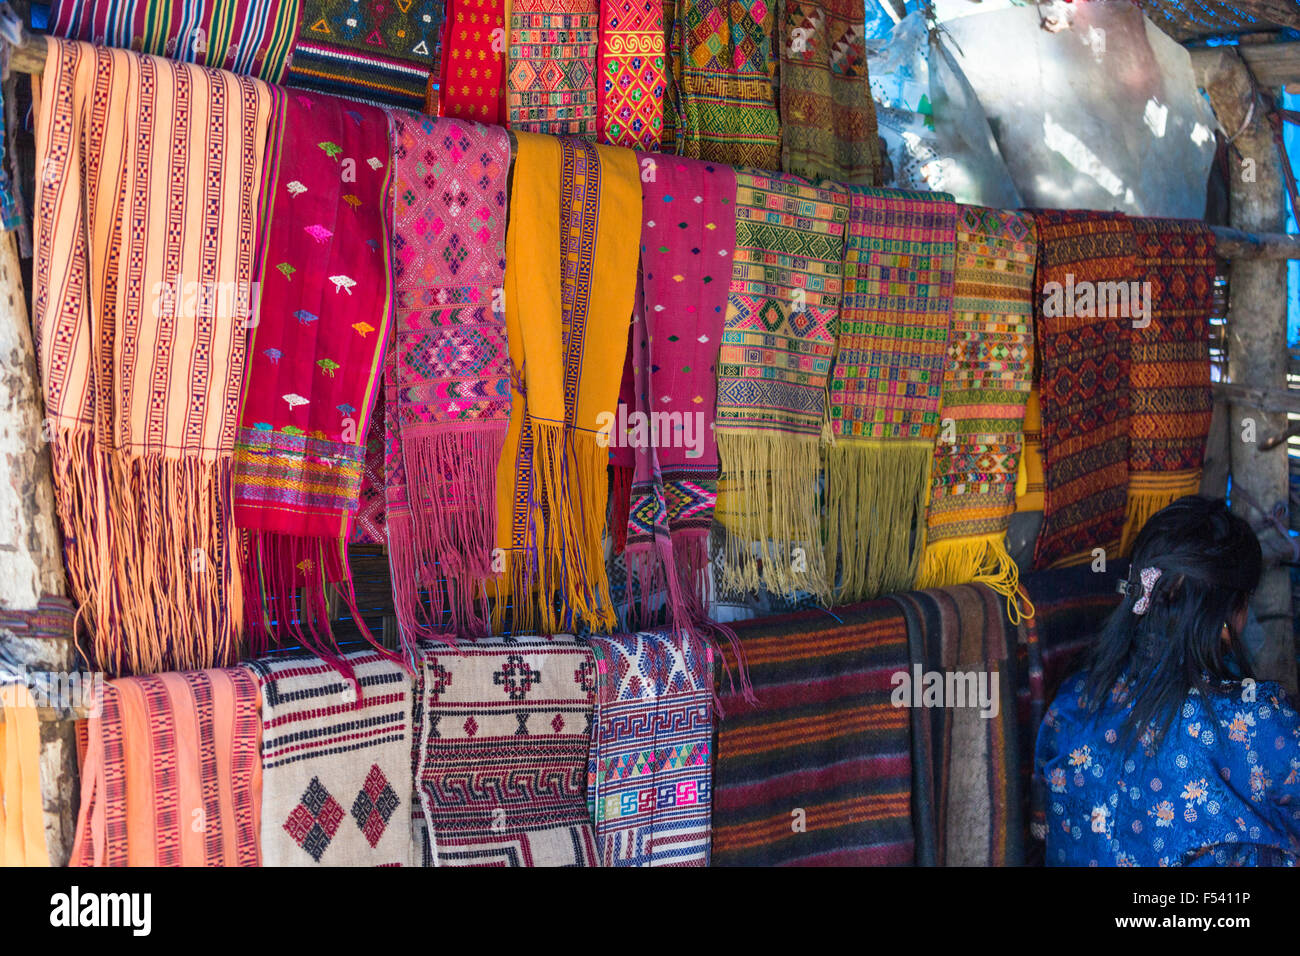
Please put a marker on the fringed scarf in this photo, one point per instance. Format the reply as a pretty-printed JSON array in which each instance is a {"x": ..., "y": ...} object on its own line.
[
  {"x": 726, "y": 108},
  {"x": 985, "y": 388},
  {"x": 172, "y": 774},
  {"x": 447, "y": 377},
  {"x": 630, "y": 67},
  {"x": 472, "y": 74},
  {"x": 1083, "y": 360},
  {"x": 249, "y": 37},
  {"x": 314, "y": 362},
  {"x": 828, "y": 120},
  {"x": 145, "y": 217},
  {"x": 22, "y": 816},
  {"x": 650, "y": 772},
  {"x": 552, "y": 86},
  {"x": 782, "y": 317},
  {"x": 571, "y": 253},
  {"x": 886, "y": 385},
  {"x": 1169, "y": 371},
  {"x": 372, "y": 52}
]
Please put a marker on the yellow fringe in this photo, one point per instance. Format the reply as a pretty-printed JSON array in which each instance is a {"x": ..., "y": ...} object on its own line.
[
  {"x": 875, "y": 514},
  {"x": 982, "y": 559},
  {"x": 1147, "y": 494}
]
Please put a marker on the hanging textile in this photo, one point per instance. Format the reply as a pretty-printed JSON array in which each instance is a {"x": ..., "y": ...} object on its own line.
[
  {"x": 314, "y": 361},
  {"x": 171, "y": 775},
  {"x": 22, "y": 814},
  {"x": 630, "y": 77},
  {"x": 985, "y": 387},
  {"x": 1083, "y": 356},
  {"x": 650, "y": 773},
  {"x": 145, "y": 221},
  {"x": 371, "y": 523},
  {"x": 571, "y": 254},
  {"x": 372, "y": 52},
  {"x": 672, "y": 55},
  {"x": 967, "y": 800},
  {"x": 502, "y": 758},
  {"x": 1029, "y": 476},
  {"x": 1169, "y": 370},
  {"x": 248, "y": 37},
  {"x": 828, "y": 119},
  {"x": 552, "y": 84},
  {"x": 472, "y": 75},
  {"x": 782, "y": 316},
  {"x": 886, "y": 385},
  {"x": 726, "y": 110},
  {"x": 336, "y": 769},
  {"x": 818, "y": 774},
  {"x": 448, "y": 370}
]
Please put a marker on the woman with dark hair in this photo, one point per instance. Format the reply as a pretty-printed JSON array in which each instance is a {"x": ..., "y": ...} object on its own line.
[{"x": 1165, "y": 750}]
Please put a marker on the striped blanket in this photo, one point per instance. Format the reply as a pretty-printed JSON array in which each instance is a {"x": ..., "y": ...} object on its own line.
[
  {"x": 336, "y": 771},
  {"x": 819, "y": 774}
]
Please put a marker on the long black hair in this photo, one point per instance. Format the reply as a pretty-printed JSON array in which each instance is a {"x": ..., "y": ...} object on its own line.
[{"x": 1209, "y": 562}]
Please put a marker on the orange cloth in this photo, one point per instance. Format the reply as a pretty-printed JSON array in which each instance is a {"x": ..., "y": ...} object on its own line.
[{"x": 22, "y": 826}]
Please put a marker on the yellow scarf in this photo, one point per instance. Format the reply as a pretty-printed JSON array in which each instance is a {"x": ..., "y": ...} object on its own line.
[{"x": 22, "y": 826}]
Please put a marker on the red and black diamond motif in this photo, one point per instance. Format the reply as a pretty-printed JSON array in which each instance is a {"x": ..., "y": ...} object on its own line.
[
  {"x": 315, "y": 819},
  {"x": 516, "y": 677},
  {"x": 374, "y": 805}
]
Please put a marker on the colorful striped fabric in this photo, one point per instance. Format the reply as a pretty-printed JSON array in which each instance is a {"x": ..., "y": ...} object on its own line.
[
  {"x": 249, "y": 37},
  {"x": 552, "y": 85},
  {"x": 630, "y": 77},
  {"x": 967, "y": 798},
  {"x": 650, "y": 773},
  {"x": 373, "y": 52},
  {"x": 819, "y": 773},
  {"x": 336, "y": 769}
]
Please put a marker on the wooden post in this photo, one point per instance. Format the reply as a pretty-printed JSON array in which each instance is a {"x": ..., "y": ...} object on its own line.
[
  {"x": 1257, "y": 341},
  {"x": 31, "y": 561}
]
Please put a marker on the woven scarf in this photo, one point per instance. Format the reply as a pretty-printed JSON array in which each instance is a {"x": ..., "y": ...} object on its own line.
[
  {"x": 336, "y": 772},
  {"x": 819, "y": 773},
  {"x": 371, "y": 524},
  {"x": 502, "y": 757},
  {"x": 968, "y": 807},
  {"x": 1169, "y": 370},
  {"x": 1029, "y": 477},
  {"x": 828, "y": 120},
  {"x": 22, "y": 817},
  {"x": 886, "y": 385},
  {"x": 448, "y": 369},
  {"x": 314, "y": 360},
  {"x": 985, "y": 388},
  {"x": 571, "y": 253},
  {"x": 782, "y": 314},
  {"x": 373, "y": 52},
  {"x": 650, "y": 773},
  {"x": 726, "y": 108},
  {"x": 552, "y": 86},
  {"x": 1083, "y": 356},
  {"x": 472, "y": 72},
  {"x": 145, "y": 222},
  {"x": 249, "y": 37},
  {"x": 630, "y": 79},
  {"x": 171, "y": 775}
]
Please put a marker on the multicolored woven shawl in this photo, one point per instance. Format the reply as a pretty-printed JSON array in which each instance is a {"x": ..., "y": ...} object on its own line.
[
  {"x": 819, "y": 774},
  {"x": 314, "y": 360},
  {"x": 985, "y": 389},
  {"x": 249, "y": 37},
  {"x": 570, "y": 285},
  {"x": 506, "y": 729},
  {"x": 726, "y": 99},
  {"x": 472, "y": 74},
  {"x": 886, "y": 385},
  {"x": 336, "y": 771},
  {"x": 448, "y": 369},
  {"x": 145, "y": 212},
  {"x": 552, "y": 86},
  {"x": 650, "y": 773},
  {"x": 171, "y": 775},
  {"x": 782, "y": 317},
  {"x": 630, "y": 73},
  {"x": 967, "y": 803},
  {"x": 1169, "y": 370},
  {"x": 828, "y": 120},
  {"x": 1083, "y": 355},
  {"x": 375, "y": 52}
]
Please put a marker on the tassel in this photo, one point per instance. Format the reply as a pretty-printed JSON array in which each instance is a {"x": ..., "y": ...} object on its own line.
[
  {"x": 1149, "y": 492},
  {"x": 981, "y": 559}
]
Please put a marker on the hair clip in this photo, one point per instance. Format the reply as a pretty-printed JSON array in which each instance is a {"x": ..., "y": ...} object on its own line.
[{"x": 1149, "y": 577}]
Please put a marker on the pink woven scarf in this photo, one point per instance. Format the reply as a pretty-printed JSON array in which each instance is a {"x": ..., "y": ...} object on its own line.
[{"x": 447, "y": 382}]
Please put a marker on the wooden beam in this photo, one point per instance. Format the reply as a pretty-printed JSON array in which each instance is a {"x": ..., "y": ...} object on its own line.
[
  {"x": 1235, "y": 244},
  {"x": 1273, "y": 64}
]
